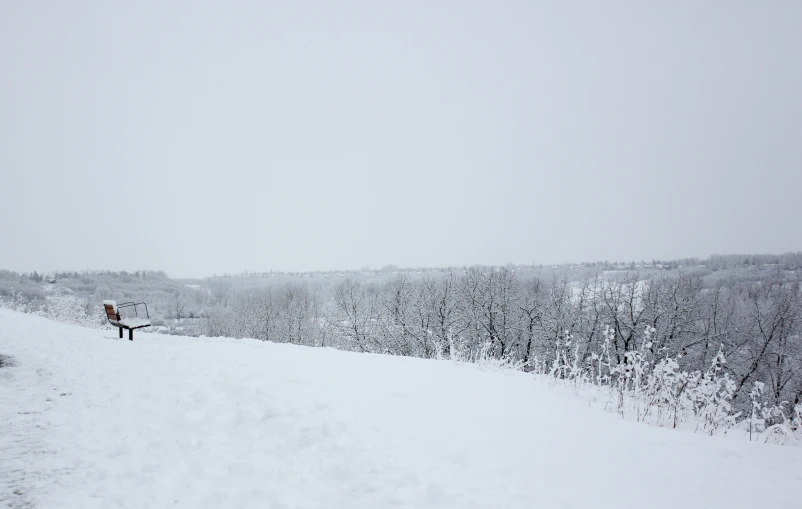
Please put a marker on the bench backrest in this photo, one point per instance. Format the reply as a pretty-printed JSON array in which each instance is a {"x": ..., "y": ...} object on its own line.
[{"x": 111, "y": 312}]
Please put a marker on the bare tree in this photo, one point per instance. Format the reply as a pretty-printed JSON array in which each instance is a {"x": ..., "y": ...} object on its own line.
[{"x": 356, "y": 316}]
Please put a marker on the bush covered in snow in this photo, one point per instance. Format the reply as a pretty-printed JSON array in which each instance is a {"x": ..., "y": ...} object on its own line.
[
  {"x": 662, "y": 394},
  {"x": 60, "y": 306}
]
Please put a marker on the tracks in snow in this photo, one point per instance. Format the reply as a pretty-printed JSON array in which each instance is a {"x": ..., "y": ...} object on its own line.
[{"x": 24, "y": 404}]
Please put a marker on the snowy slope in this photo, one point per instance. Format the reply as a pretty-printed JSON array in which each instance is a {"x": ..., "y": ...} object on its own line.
[{"x": 87, "y": 420}]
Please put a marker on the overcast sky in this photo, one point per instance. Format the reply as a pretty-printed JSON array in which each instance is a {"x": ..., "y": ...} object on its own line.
[{"x": 211, "y": 137}]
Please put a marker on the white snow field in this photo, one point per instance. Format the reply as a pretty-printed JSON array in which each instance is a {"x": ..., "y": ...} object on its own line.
[{"x": 91, "y": 421}]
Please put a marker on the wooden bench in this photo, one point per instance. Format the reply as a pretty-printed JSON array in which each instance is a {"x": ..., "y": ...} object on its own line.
[{"x": 130, "y": 323}]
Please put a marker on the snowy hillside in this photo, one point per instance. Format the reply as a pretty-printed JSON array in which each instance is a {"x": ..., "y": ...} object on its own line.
[{"x": 87, "y": 420}]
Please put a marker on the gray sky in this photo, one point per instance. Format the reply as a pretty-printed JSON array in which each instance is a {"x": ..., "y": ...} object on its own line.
[{"x": 202, "y": 137}]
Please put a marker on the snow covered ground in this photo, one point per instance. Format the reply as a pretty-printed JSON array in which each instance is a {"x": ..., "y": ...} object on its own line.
[{"x": 91, "y": 421}]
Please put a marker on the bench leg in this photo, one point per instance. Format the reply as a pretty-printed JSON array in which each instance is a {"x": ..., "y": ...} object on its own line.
[
  {"x": 121, "y": 332},
  {"x": 130, "y": 334}
]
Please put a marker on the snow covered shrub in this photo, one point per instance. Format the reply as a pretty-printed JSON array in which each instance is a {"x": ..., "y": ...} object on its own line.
[
  {"x": 755, "y": 421},
  {"x": 14, "y": 301},
  {"x": 780, "y": 425},
  {"x": 796, "y": 423},
  {"x": 602, "y": 361},
  {"x": 66, "y": 308},
  {"x": 712, "y": 398},
  {"x": 665, "y": 389},
  {"x": 636, "y": 376},
  {"x": 657, "y": 391},
  {"x": 484, "y": 357},
  {"x": 219, "y": 322}
]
